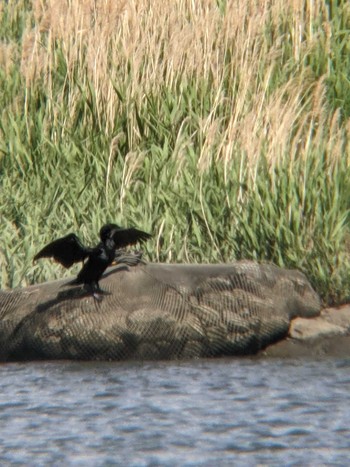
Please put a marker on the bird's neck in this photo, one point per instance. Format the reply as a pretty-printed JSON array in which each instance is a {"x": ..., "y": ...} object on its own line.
[{"x": 109, "y": 244}]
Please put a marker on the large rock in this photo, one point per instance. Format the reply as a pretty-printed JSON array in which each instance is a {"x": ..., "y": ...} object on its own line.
[{"x": 157, "y": 311}]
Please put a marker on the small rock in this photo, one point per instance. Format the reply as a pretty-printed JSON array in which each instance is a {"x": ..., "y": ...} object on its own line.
[
  {"x": 302, "y": 328},
  {"x": 339, "y": 316}
]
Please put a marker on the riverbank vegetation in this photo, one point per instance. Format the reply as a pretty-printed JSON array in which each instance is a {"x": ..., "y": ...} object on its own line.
[{"x": 222, "y": 127}]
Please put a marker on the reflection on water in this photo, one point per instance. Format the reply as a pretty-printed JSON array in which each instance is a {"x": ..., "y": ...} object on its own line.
[{"x": 205, "y": 412}]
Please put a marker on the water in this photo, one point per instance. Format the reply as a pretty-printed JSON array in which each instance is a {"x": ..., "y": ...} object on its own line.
[{"x": 205, "y": 412}]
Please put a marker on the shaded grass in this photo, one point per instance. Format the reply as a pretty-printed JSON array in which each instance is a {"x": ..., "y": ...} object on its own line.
[{"x": 242, "y": 154}]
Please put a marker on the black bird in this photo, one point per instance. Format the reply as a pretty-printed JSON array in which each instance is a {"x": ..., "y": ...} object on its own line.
[{"x": 69, "y": 250}]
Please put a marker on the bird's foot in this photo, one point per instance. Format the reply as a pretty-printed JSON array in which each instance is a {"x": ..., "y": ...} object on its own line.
[
  {"x": 96, "y": 291},
  {"x": 97, "y": 297}
]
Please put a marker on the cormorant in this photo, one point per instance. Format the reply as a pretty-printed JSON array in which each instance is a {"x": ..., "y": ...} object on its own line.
[{"x": 69, "y": 250}]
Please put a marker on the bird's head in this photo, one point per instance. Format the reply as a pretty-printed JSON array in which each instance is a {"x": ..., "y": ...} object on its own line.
[{"x": 107, "y": 231}]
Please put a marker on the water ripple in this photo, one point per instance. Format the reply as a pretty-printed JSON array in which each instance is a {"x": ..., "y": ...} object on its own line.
[{"x": 204, "y": 412}]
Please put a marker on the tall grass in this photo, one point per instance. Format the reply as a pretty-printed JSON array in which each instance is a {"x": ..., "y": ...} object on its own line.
[{"x": 222, "y": 127}]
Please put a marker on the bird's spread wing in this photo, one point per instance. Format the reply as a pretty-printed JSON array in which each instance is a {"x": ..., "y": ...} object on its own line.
[
  {"x": 124, "y": 237},
  {"x": 66, "y": 250}
]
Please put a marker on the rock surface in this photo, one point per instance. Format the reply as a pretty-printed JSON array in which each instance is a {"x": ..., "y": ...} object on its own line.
[
  {"x": 325, "y": 335},
  {"x": 161, "y": 311},
  {"x": 157, "y": 311}
]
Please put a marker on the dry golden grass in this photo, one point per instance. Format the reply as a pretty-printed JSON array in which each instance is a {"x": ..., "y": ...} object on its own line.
[{"x": 150, "y": 44}]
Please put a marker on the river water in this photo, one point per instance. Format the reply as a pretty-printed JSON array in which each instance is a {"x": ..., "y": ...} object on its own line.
[{"x": 204, "y": 412}]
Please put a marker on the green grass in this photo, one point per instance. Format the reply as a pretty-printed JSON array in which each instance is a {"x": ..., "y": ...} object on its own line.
[{"x": 245, "y": 160}]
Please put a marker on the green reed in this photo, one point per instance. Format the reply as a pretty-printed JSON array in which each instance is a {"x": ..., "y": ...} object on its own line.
[{"x": 217, "y": 169}]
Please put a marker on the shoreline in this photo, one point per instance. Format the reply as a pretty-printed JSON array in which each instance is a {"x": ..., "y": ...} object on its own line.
[{"x": 327, "y": 335}]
